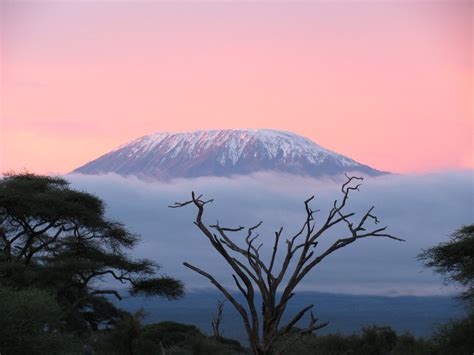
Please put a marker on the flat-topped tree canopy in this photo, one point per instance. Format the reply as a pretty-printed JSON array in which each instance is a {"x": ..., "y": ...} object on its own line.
[{"x": 55, "y": 237}]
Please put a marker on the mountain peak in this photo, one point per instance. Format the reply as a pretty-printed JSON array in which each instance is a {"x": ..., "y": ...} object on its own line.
[{"x": 225, "y": 152}]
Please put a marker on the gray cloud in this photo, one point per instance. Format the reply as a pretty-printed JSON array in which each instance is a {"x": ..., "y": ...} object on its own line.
[{"x": 423, "y": 209}]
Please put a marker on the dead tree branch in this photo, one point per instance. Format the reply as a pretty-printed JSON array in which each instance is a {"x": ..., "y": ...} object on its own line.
[
  {"x": 216, "y": 322},
  {"x": 252, "y": 274}
]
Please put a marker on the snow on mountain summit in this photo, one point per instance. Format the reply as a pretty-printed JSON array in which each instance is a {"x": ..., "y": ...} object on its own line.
[
  {"x": 233, "y": 143},
  {"x": 222, "y": 153}
]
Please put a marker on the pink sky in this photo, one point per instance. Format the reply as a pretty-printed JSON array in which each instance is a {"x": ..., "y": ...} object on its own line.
[{"x": 388, "y": 84}]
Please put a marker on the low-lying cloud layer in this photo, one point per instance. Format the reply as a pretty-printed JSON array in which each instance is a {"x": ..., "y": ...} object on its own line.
[{"x": 423, "y": 209}]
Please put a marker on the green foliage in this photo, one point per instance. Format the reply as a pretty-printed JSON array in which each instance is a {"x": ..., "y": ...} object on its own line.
[
  {"x": 58, "y": 239},
  {"x": 49, "y": 199},
  {"x": 210, "y": 346},
  {"x": 124, "y": 337},
  {"x": 456, "y": 337},
  {"x": 376, "y": 340},
  {"x": 372, "y": 340},
  {"x": 30, "y": 323},
  {"x": 170, "y": 333},
  {"x": 230, "y": 343},
  {"x": 455, "y": 259},
  {"x": 407, "y": 344},
  {"x": 129, "y": 337},
  {"x": 164, "y": 286}
]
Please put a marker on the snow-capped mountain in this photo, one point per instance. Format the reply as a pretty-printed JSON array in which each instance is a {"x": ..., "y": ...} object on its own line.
[{"x": 222, "y": 153}]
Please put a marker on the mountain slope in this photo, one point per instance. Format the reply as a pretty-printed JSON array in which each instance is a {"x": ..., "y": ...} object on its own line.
[{"x": 222, "y": 153}]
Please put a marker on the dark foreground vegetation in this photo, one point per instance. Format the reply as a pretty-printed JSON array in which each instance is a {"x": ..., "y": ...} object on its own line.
[
  {"x": 61, "y": 261},
  {"x": 128, "y": 336}
]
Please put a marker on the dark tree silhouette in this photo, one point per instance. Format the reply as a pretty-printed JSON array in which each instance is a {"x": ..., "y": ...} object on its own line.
[
  {"x": 57, "y": 238},
  {"x": 216, "y": 322},
  {"x": 277, "y": 284},
  {"x": 455, "y": 260}
]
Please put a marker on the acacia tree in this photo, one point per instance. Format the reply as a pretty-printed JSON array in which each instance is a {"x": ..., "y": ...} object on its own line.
[
  {"x": 455, "y": 260},
  {"x": 57, "y": 238},
  {"x": 277, "y": 283}
]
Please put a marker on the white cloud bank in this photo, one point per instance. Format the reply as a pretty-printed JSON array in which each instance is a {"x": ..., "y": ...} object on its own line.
[{"x": 423, "y": 209}]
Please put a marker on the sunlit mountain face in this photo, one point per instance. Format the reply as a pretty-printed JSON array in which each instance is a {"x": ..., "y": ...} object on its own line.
[{"x": 226, "y": 152}]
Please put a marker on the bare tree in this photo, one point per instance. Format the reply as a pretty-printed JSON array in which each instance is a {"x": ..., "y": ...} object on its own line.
[
  {"x": 252, "y": 274},
  {"x": 216, "y": 322}
]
